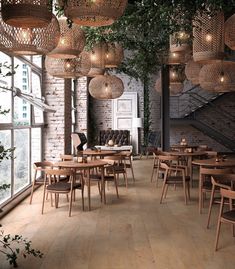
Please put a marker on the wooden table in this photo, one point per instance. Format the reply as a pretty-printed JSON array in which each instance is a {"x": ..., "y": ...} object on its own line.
[
  {"x": 189, "y": 156},
  {"x": 213, "y": 163},
  {"x": 183, "y": 147},
  {"x": 96, "y": 153},
  {"x": 86, "y": 166}
]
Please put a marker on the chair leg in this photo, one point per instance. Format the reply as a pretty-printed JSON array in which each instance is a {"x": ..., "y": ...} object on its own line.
[
  {"x": 151, "y": 180},
  {"x": 70, "y": 202},
  {"x": 116, "y": 186},
  {"x": 126, "y": 180},
  {"x": 32, "y": 190},
  {"x": 157, "y": 176},
  {"x": 132, "y": 171},
  {"x": 210, "y": 206},
  {"x": 188, "y": 186},
  {"x": 43, "y": 198},
  {"x": 163, "y": 191},
  {"x": 166, "y": 190},
  {"x": 185, "y": 193},
  {"x": 200, "y": 195},
  {"x": 217, "y": 234},
  {"x": 83, "y": 198}
]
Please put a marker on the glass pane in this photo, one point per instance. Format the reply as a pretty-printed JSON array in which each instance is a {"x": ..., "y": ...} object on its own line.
[
  {"x": 21, "y": 81},
  {"x": 21, "y": 161},
  {"x": 37, "y": 59},
  {"x": 5, "y": 96},
  {"x": 36, "y": 146},
  {"x": 37, "y": 92},
  {"x": 5, "y": 166}
]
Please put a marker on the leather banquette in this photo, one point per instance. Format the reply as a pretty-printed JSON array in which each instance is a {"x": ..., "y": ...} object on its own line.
[{"x": 119, "y": 137}]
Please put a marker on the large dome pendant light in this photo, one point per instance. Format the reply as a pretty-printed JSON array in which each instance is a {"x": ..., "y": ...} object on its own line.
[
  {"x": 29, "y": 41},
  {"x": 192, "y": 70},
  {"x": 94, "y": 12},
  {"x": 106, "y": 87},
  {"x": 208, "y": 42},
  {"x": 26, "y": 13},
  {"x": 71, "y": 43}
]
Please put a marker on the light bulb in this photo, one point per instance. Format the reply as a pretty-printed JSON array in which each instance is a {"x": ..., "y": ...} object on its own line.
[
  {"x": 222, "y": 77},
  {"x": 208, "y": 38},
  {"x": 26, "y": 36},
  {"x": 174, "y": 54},
  {"x": 69, "y": 65},
  {"x": 107, "y": 55},
  {"x": 93, "y": 56}
]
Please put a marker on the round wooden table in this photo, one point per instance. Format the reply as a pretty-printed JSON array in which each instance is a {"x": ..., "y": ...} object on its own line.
[
  {"x": 213, "y": 163},
  {"x": 183, "y": 147},
  {"x": 86, "y": 166},
  {"x": 96, "y": 153}
]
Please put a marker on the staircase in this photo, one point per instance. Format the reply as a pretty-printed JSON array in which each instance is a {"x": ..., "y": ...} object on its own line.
[{"x": 210, "y": 113}]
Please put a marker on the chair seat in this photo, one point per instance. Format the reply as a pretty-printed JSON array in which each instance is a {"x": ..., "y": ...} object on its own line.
[
  {"x": 229, "y": 215},
  {"x": 176, "y": 179},
  {"x": 62, "y": 186}
]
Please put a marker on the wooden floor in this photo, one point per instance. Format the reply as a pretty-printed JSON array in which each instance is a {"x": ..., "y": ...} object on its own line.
[{"x": 132, "y": 232}]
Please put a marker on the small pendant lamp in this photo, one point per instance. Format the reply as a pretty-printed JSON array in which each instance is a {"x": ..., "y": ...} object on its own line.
[
  {"x": 68, "y": 68},
  {"x": 97, "y": 58},
  {"x": 208, "y": 42},
  {"x": 27, "y": 13},
  {"x": 106, "y": 87},
  {"x": 114, "y": 55},
  {"x": 229, "y": 32},
  {"x": 175, "y": 58},
  {"x": 94, "y": 12},
  {"x": 71, "y": 43},
  {"x": 29, "y": 41}
]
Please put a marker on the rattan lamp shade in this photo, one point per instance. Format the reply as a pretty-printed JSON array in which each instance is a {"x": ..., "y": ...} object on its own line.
[
  {"x": 229, "y": 32},
  {"x": 208, "y": 42},
  {"x": 71, "y": 43},
  {"x": 94, "y": 12},
  {"x": 27, "y": 13},
  {"x": 68, "y": 68},
  {"x": 114, "y": 55},
  {"x": 177, "y": 57},
  {"x": 97, "y": 58},
  {"x": 106, "y": 87},
  {"x": 29, "y": 41},
  {"x": 178, "y": 41},
  {"x": 218, "y": 77},
  {"x": 175, "y": 88},
  {"x": 192, "y": 70}
]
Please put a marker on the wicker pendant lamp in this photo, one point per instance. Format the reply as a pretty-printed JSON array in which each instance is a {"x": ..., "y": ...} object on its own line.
[
  {"x": 175, "y": 88},
  {"x": 27, "y": 13},
  {"x": 29, "y": 41},
  {"x": 177, "y": 57},
  {"x": 192, "y": 70},
  {"x": 97, "y": 58},
  {"x": 106, "y": 87},
  {"x": 71, "y": 43},
  {"x": 179, "y": 41},
  {"x": 229, "y": 32},
  {"x": 114, "y": 55},
  {"x": 208, "y": 42},
  {"x": 218, "y": 77},
  {"x": 68, "y": 68},
  {"x": 94, "y": 12}
]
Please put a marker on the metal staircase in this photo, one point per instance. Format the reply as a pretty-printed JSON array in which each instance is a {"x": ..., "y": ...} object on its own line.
[{"x": 198, "y": 108}]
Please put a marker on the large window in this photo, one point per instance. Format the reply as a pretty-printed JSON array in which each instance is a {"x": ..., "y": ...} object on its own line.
[{"x": 21, "y": 126}]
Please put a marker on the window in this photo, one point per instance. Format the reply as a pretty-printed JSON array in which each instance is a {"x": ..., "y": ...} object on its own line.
[{"x": 19, "y": 125}]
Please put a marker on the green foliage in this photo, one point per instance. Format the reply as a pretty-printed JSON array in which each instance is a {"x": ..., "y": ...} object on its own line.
[{"x": 11, "y": 247}]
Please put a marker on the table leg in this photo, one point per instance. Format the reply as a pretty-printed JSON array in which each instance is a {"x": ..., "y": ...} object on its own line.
[{"x": 89, "y": 189}]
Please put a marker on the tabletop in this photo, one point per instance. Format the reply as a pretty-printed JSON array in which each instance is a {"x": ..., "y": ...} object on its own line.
[
  {"x": 99, "y": 153},
  {"x": 213, "y": 162},
  {"x": 182, "y": 153},
  {"x": 89, "y": 164}
]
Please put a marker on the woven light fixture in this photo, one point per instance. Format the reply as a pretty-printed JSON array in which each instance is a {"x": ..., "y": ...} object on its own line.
[
  {"x": 208, "y": 42},
  {"x": 97, "y": 58},
  {"x": 71, "y": 43},
  {"x": 218, "y": 77},
  {"x": 106, "y": 87},
  {"x": 192, "y": 70},
  {"x": 114, "y": 55},
  {"x": 29, "y": 41},
  {"x": 175, "y": 88},
  {"x": 27, "y": 13},
  {"x": 177, "y": 57},
  {"x": 68, "y": 68},
  {"x": 94, "y": 12},
  {"x": 178, "y": 41},
  {"x": 229, "y": 32}
]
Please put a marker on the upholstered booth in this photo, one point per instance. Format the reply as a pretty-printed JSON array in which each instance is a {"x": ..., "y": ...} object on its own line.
[{"x": 119, "y": 137}]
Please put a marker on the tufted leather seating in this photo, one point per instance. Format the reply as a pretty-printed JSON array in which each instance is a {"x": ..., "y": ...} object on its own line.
[{"x": 119, "y": 137}]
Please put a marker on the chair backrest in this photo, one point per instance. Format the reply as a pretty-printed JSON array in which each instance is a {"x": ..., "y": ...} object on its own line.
[
  {"x": 227, "y": 194},
  {"x": 79, "y": 140},
  {"x": 41, "y": 166},
  {"x": 224, "y": 178},
  {"x": 213, "y": 171},
  {"x": 66, "y": 157},
  {"x": 166, "y": 160}
]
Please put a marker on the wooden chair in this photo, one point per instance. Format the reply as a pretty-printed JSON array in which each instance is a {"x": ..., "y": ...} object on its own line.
[
  {"x": 39, "y": 167},
  {"x": 156, "y": 166},
  {"x": 127, "y": 155},
  {"x": 174, "y": 174},
  {"x": 205, "y": 185},
  {"x": 227, "y": 216},
  {"x": 224, "y": 181},
  {"x": 56, "y": 186},
  {"x": 119, "y": 167},
  {"x": 66, "y": 157}
]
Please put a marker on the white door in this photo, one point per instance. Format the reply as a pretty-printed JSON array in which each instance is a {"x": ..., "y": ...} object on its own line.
[{"x": 124, "y": 110}]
